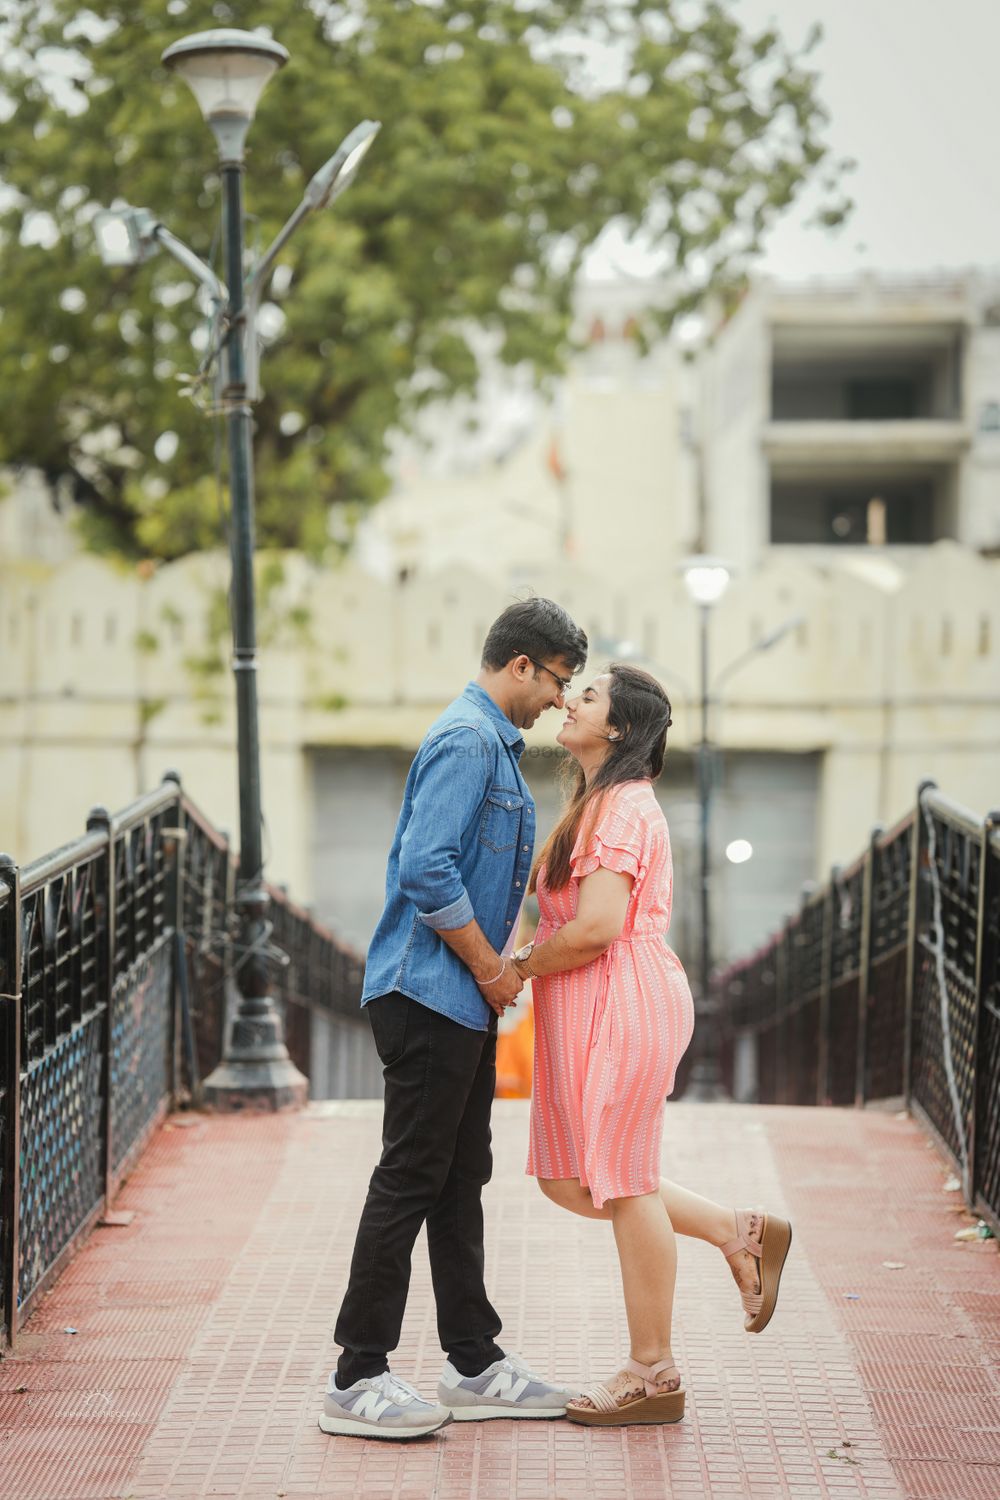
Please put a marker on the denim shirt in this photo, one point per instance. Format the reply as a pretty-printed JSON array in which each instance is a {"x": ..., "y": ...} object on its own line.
[{"x": 462, "y": 849}]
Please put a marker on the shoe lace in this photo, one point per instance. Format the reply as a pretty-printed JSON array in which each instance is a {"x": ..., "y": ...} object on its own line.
[
  {"x": 515, "y": 1363},
  {"x": 398, "y": 1390}
]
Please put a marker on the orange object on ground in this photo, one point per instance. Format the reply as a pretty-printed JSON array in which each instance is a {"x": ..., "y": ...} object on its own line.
[{"x": 515, "y": 1052}]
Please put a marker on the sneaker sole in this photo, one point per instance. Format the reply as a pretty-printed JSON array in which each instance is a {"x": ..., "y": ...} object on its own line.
[
  {"x": 488, "y": 1413},
  {"x": 353, "y": 1427}
]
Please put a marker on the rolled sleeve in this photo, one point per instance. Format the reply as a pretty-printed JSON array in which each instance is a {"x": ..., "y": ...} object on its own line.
[
  {"x": 450, "y": 786},
  {"x": 458, "y": 914}
]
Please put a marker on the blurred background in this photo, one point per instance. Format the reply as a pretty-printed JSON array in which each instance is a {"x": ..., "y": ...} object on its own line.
[{"x": 616, "y": 287}]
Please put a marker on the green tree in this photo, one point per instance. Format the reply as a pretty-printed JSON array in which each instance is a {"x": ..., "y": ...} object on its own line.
[{"x": 501, "y": 160}]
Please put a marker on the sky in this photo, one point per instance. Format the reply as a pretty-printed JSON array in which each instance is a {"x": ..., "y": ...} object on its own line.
[{"x": 913, "y": 91}]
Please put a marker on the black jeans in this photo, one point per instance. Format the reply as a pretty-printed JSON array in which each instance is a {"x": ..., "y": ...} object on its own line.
[{"x": 439, "y": 1083}]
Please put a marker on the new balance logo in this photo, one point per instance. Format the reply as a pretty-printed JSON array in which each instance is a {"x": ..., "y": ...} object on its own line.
[
  {"x": 506, "y": 1385},
  {"x": 370, "y": 1404}
]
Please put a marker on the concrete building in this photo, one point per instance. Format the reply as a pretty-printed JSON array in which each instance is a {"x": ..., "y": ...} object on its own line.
[{"x": 855, "y": 415}]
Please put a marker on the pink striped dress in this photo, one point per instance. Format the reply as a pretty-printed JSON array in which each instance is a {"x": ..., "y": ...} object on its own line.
[{"x": 609, "y": 1036}]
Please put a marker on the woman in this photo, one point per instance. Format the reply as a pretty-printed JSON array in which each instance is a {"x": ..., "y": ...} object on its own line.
[{"x": 613, "y": 1017}]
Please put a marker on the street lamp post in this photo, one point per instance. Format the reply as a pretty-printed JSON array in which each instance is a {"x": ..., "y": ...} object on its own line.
[
  {"x": 227, "y": 76},
  {"x": 707, "y": 579},
  {"x": 227, "y": 71}
]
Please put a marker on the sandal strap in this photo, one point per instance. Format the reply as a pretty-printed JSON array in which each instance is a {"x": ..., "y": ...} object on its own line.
[
  {"x": 752, "y": 1302},
  {"x": 600, "y": 1398},
  {"x": 744, "y": 1239},
  {"x": 650, "y": 1373}
]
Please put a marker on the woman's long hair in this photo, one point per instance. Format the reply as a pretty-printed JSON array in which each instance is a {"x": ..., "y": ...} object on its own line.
[{"x": 640, "y": 712}]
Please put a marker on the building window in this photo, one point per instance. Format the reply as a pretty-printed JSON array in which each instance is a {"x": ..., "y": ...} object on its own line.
[
  {"x": 816, "y": 378},
  {"x": 827, "y": 511}
]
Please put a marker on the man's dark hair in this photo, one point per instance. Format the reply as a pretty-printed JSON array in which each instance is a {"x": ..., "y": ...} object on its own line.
[{"x": 536, "y": 627}]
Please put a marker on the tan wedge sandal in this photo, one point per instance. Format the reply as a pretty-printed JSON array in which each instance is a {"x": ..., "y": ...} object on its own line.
[
  {"x": 771, "y": 1250},
  {"x": 654, "y": 1406}
]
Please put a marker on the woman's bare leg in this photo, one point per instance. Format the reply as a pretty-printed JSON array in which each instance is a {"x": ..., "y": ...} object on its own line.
[
  {"x": 569, "y": 1193},
  {"x": 696, "y": 1216},
  {"x": 689, "y": 1214},
  {"x": 647, "y": 1252}
]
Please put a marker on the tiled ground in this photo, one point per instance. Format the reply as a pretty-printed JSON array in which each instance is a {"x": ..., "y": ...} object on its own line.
[{"x": 204, "y": 1329}]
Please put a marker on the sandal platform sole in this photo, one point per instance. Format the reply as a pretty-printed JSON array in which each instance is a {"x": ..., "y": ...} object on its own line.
[
  {"x": 775, "y": 1245},
  {"x": 648, "y": 1410}
]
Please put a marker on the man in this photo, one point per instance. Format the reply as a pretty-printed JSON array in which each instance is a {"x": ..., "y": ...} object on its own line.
[{"x": 437, "y": 978}]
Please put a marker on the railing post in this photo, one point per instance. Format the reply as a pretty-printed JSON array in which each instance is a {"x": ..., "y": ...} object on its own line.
[
  {"x": 10, "y": 1017},
  {"x": 864, "y": 974},
  {"x": 781, "y": 956},
  {"x": 100, "y": 821},
  {"x": 917, "y": 849},
  {"x": 823, "y": 1057},
  {"x": 229, "y": 990},
  {"x": 174, "y": 840},
  {"x": 989, "y": 881}
]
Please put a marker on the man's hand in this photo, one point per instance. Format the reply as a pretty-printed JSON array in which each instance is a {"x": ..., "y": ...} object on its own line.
[
  {"x": 503, "y": 991},
  {"x": 482, "y": 959}
]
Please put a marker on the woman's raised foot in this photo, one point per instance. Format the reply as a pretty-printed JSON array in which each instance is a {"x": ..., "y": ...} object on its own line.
[{"x": 757, "y": 1255}]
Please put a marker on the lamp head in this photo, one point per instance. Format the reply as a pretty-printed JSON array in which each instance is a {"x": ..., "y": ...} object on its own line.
[
  {"x": 337, "y": 174},
  {"x": 227, "y": 71},
  {"x": 706, "y": 578},
  {"x": 125, "y": 235}
]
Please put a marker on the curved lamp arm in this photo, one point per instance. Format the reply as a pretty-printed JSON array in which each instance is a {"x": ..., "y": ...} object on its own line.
[
  {"x": 325, "y": 186},
  {"x": 764, "y": 644}
]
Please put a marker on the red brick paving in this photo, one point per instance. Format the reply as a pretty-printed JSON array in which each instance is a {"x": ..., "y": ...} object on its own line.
[{"x": 204, "y": 1328}]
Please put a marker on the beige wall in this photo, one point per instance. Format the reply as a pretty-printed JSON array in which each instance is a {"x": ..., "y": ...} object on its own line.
[{"x": 889, "y": 685}]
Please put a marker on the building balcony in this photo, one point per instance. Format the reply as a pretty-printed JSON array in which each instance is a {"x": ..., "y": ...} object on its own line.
[{"x": 921, "y": 440}]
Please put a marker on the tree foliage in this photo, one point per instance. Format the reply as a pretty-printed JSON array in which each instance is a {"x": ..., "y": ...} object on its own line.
[{"x": 505, "y": 151}]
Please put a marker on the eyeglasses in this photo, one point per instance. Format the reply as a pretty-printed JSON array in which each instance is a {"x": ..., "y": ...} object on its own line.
[{"x": 564, "y": 683}]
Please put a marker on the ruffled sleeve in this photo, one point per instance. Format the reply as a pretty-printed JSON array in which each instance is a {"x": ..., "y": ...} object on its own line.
[{"x": 617, "y": 842}]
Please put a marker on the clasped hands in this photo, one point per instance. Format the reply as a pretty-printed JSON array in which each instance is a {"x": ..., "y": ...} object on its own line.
[{"x": 504, "y": 990}]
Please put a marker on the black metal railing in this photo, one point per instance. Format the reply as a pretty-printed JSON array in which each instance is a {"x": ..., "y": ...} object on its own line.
[
  {"x": 887, "y": 984},
  {"x": 116, "y": 957}
]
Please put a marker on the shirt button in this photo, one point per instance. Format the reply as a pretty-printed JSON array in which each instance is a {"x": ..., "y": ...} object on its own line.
[
  {"x": 508, "y": 923},
  {"x": 525, "y": 848},
  {"x": 518, "y": 884}
]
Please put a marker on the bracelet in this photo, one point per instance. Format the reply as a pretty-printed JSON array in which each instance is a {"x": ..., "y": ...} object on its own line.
[{"x": 503, "y": 970}]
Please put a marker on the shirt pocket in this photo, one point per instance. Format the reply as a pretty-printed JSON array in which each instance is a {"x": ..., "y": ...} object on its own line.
[{"x": 501, "y": 823}]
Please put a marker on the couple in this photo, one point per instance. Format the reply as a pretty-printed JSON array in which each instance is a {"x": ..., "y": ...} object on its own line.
[{"x": 613, "y": 1016}]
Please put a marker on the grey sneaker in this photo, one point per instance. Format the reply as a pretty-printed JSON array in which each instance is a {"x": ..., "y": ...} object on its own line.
[
  {"x": 383, "y": 1407},
  {"x": 506, "y": 1389}
]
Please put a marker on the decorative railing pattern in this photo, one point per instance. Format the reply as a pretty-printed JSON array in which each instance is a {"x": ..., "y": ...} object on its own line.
[
  {"x": 115, "y": 955},
  {"x": 885, "y": 984}
]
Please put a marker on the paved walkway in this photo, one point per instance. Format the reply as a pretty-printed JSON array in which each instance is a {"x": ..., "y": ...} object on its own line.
[{"x": 203, "y": 1330}]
